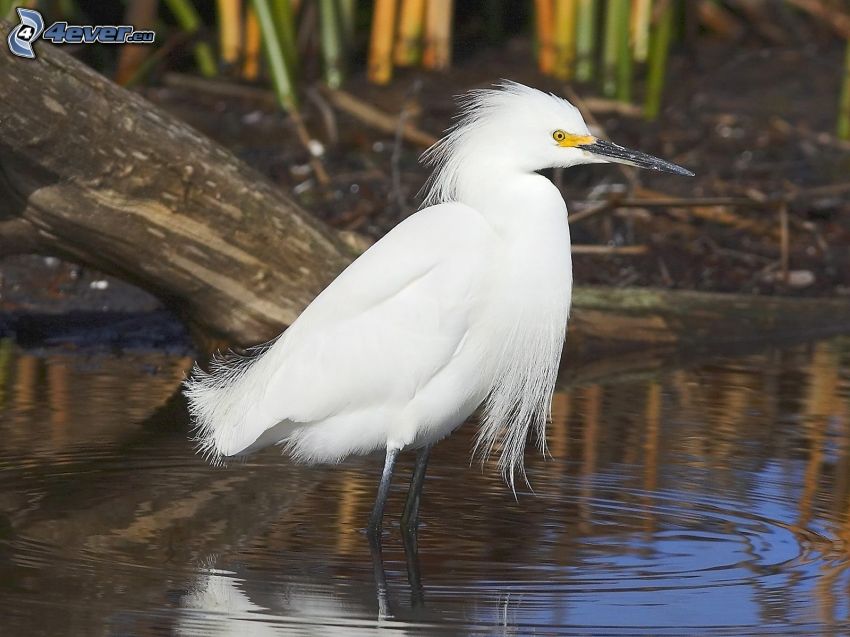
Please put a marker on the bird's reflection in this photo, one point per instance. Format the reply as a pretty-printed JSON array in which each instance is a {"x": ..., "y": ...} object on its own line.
[
  {"x": 226, "y": 600},
  {"x": 414, "y": 577}
]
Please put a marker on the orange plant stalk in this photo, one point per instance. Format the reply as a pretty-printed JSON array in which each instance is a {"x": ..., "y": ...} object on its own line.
[
  {"x": 251, "y": 64},
  {"x": 381, "y": 44},
  {"x": 229, "y": 30},
  {"x": 544, "y": 17},
  {"x": 565, "y": 38},
  {"x": 408, "y": 46},
  {"x": 640, "y": 19},
  {"x": 438, "y": 34},
  {"x": 142, "y": 14}
]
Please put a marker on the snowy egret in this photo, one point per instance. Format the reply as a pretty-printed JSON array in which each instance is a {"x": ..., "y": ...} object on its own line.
[{"x": 464, "y": 303}]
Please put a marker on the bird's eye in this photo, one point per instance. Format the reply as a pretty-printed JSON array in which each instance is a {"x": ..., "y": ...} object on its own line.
[{"x": 559, "y": 135}]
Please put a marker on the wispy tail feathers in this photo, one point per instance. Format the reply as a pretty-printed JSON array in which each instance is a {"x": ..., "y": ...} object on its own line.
[{"x": 225, "y": 402}]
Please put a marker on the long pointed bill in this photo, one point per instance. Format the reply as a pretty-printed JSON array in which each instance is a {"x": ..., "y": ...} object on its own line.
[{"x": 613, "y": 152}]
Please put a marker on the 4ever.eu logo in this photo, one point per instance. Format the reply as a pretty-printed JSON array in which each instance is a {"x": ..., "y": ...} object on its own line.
[{"x": 31, "y": 27}]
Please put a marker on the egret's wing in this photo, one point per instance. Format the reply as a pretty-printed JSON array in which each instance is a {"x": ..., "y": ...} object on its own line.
[
  {"x": 388, "y": 323},
  {"x": 369, "y": 341}
]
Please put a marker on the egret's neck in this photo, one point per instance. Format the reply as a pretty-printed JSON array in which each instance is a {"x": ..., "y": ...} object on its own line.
[
  {"x": 480, "y": 184},
  {"x": 498, "y": 181},
  {"x": 511, "y": 199}
]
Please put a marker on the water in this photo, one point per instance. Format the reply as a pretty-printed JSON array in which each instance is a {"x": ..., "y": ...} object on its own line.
[{"x": 706, "y": 498}]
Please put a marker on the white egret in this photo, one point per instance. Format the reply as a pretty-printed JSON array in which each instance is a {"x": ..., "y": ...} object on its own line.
[{"x": 464, "y": 303}]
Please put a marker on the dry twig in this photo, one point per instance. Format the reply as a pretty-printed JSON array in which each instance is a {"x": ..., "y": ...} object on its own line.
[
  {"x": 784, "y": 239},
  {"x": 376, "y": 118},
  {"x": 610, "y": 250}
]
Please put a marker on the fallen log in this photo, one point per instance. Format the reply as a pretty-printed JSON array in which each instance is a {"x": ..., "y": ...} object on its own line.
[
  {"x": 98, "y": 175},
  {"x": 615, "y": 319}
]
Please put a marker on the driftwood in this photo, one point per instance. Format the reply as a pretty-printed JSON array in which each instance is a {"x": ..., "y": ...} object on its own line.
[{"x": 98, "y": 175}]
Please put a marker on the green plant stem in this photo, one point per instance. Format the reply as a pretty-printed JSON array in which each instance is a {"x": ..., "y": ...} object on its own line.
[
  {"x": 7, "y": 10},
  {"x": 624, "y": 55},
  {"x": 67, "y": 9},
  {"x": 331, "y": 42},
  {"x": 585, "y": 39},
  {"x": 610, "y": 47},
  {"x": 658, "y": 52},
  {"x": 189, "y": 20},
  {"x": 494, "y": 20},
  {"x": 348, "y": 20},
  {"x": 284, "y": 22},
  {"x": 843, "y": 128},
  {"x": 281, "y": 77}
]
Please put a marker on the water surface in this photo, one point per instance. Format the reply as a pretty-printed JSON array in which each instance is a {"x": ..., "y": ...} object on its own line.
[{"x": 706, "y": 498}]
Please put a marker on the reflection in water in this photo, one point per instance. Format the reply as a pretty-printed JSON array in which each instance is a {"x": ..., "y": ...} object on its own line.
[{"x": 713, "y": 497}]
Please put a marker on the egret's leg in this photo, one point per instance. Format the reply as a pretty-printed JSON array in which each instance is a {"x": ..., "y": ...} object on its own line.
[
  {"x": 377, "y": 516},
  {"x": 410, "y": 517},
  {"x": 380, "y": 576}
]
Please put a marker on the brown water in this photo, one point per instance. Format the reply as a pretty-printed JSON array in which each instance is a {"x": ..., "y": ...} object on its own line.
[{"x": 710, "y": 498}]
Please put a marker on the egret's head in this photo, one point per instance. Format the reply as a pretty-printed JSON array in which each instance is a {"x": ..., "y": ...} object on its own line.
[{"x": 520, "y": 128}]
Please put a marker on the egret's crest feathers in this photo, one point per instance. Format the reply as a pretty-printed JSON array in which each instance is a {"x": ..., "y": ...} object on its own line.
[{"x": 486, "y": 117}]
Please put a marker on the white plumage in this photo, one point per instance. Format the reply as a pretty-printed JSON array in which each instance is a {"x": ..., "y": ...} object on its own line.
[{"x": 463, "y": 303}]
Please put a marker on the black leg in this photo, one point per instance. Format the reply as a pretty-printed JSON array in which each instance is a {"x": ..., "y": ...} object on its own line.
[
  {"x": 377, "y": 516},
  {"x": 410, "y": 517},
  {"x": 380, "y": 576}
]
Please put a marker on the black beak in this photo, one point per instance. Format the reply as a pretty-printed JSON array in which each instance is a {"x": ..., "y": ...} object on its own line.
[{"x": 619, "y": 154}]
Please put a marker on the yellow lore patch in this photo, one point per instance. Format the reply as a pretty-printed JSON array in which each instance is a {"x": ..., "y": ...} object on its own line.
[{"x": 568, "y": 140}]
